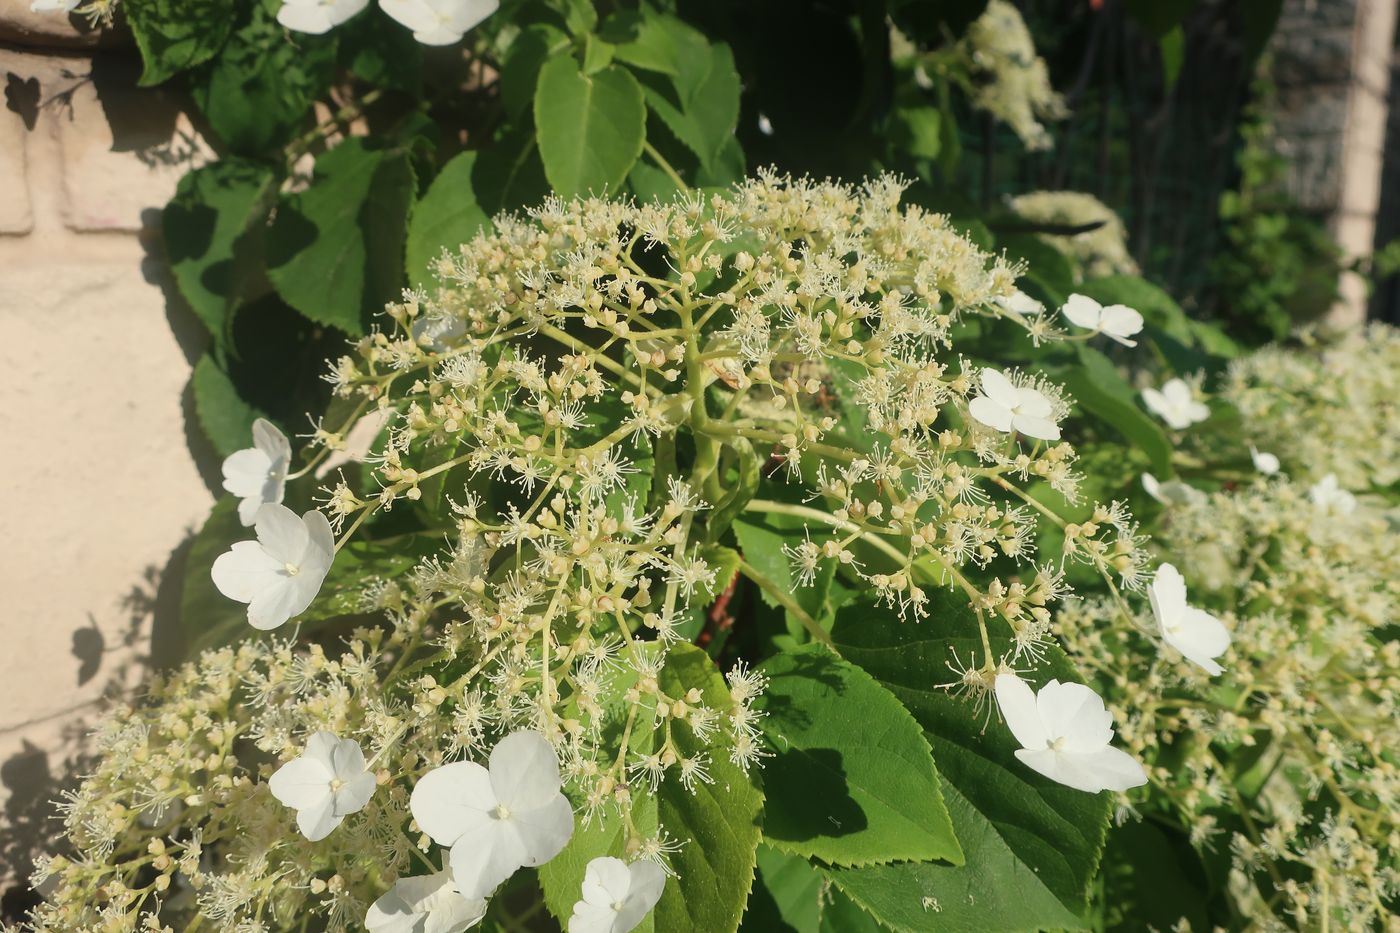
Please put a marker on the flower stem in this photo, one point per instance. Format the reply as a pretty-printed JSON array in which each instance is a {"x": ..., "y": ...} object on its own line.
[
  {"x": 665, "y": 166},
  {"x": 785, "y": 599}
]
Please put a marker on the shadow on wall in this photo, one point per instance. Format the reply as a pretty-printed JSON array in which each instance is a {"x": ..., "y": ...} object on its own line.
[
  {"x": 33, "y": 782},
  {"x": 146, "y": 124}
]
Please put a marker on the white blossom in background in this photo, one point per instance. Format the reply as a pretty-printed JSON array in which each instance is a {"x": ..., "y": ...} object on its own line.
[
  {"x": 1327, "y": 494},
  {"x": 1005, "y": 406},
  {"x": 54, "y": 6},
  {"x": 617, "y": 896},
  {"x": 1065, "y": 731},
  {"x": 280, "y": 573},
  {"x": 1118, "y": 322},
  {"x": 1264, "y": 462},
  {"x": 439, "y": 22},
  {"x": 1198, "y": 635},
  {"x": 325, "y": 785},
  {"x": 424, "y": 904},
  {"x": 1019, "y": 304},
  {"x": 257, "y": 475},
  {"x": 1172, "y": 492},
  {"x": 317, "y": 16},
  {"x": 496, "y": 820},
  {"x": 1175, "y": 404}
]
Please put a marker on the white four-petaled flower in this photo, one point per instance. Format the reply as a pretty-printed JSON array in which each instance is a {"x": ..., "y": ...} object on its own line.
[
  {"x": 439, "y": 22},
  {"x": 325, "y": 785},
  {"x": 257, "y": 475},
  {"x": 317, "y": 16},
  {"x": 1329, "y": 496},
  {"x": 1118, "y": 322},
  {"x": 496, "y": 820},
  {"x": 424, "y": 904},
  {"x": 616, "y": 895},
  {"x": 1065, "y": 732},
  {"x": 1175, "y": 404},
  {"x": 1008, "y": 407},
  {"x": 1197, "y": 634},
  {"x": 1264, "y": 462},
  {"x": 280, "y": 573}
]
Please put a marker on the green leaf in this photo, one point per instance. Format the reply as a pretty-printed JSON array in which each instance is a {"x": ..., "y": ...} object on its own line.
[
  {"x": 174, "y": 35},
  {"x": 597, "y": 54},
  {"x": 997, "y": 891},
  {"x": 509, "y": 174},
  {"x": 720, "y": 822},
  {"x": 381, "y": 53},
  {"x": 206, "y": 227},
  {"x": 790, "y": 895},
  {"x": 919, "y": 130},
  {"x": 1027, "y": 840},
  {"x": 1173, "y": 50},
  {"x": 258, "y": 92},
  {"x": 447, "y": 216},
  {"x": 705, "y": 124},
  {"x": 590, "y": 127},
  {"x": 335, "y": 251},
  {"x": 227, "y": 420},
  {"x": 738, "y": 490},
  {"x": 579, "y": 15},
  {"x": 1154, "y": 880},
  {"x": 667, "y": 45},
  {"x": 852, "y": 780},
  {"x": 536, "y": 44},
  {"x": 1101, "y": 391}
]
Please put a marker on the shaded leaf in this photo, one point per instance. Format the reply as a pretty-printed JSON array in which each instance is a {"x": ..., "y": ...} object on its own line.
[
  {"x": 204, "y": 224},
  {"x": 335, "y": 250},
  {"x": 1101, "y": 391},
  {"x": 852, "y": 780},
  {"x": 225, "y": 417},
  {"x": 706, "y": 123},
  {"x": 174, "y": 35}
]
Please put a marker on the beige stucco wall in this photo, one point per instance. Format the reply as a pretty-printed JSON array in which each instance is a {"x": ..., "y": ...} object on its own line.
[{"x": 101, "y": 484}]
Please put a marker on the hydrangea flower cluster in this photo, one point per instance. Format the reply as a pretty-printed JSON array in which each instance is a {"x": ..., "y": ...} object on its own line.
[
  {"x": 579, "y": 407},
  {"x": 1098, "y": 251},
  {"x": 1286, "y": 761},
  {"x": 1014, "y": 82},
  {"x": 1334, "y": 408}
]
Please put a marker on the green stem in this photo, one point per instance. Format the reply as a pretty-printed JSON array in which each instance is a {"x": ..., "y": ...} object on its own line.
[
  {"x": 785, "y": 599},
  {"x": 665, "y": 166}
]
